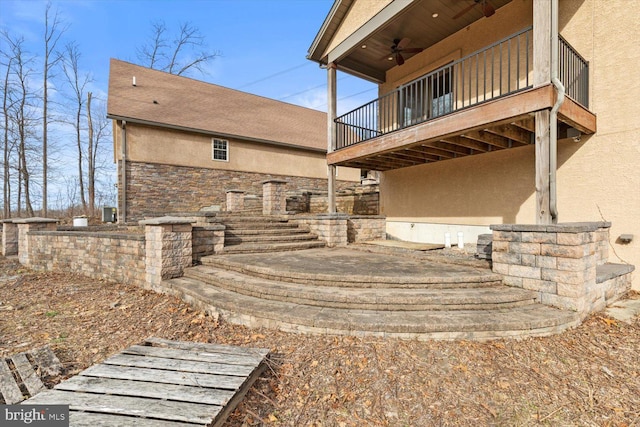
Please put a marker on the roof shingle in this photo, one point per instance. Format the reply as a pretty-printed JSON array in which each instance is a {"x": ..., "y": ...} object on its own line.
[{"x": 170, "y": 100}]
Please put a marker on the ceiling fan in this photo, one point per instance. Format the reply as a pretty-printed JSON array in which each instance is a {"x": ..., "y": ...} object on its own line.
[
  {"x": 487, "y": 9},
  {"x": 398, "y": 48}
]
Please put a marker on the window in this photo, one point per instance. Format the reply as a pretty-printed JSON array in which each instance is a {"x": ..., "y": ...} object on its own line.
[
  {"x": 220, "y": 150},
  {"x": 427, "y": 97}
]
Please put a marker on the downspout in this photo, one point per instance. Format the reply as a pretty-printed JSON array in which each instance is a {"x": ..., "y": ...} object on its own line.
[
  {"x": 122, "y": 214},
  {"x": 553, "y": 116}
]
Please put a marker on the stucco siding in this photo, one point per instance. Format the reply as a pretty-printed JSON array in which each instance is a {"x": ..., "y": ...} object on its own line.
[
  {"x": 359, "y": 13},
  {"x": 598, "y": 177},
  {"x": 172, "y": 147}
]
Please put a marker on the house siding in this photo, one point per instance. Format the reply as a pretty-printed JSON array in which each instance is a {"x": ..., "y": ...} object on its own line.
[
  {"x": 155, "y": 189},
  {"x": 597, "y": 178}
]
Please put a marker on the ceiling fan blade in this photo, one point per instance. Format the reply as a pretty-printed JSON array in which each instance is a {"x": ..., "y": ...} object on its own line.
[
  {"x": 463, "y": 11},
  {"x": 412, "y": 50},
  {"x": 399, "y": 59},
  {"x": 487, "y": 9},
  {"x": 402, "y": 43}
]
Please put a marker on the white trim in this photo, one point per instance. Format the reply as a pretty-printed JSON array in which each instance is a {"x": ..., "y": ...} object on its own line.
[{"x": 225, "y": 150}]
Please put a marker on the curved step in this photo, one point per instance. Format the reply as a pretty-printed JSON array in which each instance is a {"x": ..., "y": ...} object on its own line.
[
  {"x": 270, "y": 238},
  {"x": 343, "y": 276},
  {"x": 392, "y": 299},
  {"x": 272, "y": 247},
  {"x": 528, "y": 320}
]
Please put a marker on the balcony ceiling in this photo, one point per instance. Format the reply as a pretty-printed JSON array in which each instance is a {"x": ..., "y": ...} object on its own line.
[{"x": 417, "y": 23}]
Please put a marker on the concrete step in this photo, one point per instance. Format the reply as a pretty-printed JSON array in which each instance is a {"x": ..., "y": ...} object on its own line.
[
  {"x": 390, "y": 299},
  {"x": 272, "y": 247},
  {"x": 526, "y": 320},
  {"x": 270, "y": 225},
  {"x": 455, "y": 277},
  {"x": 230, "y": 239},
  {"x": 264, "y": 232},
  {"x": 251, "y": 218}
]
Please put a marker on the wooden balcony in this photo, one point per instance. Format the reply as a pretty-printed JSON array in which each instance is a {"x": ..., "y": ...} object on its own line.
[{"x": 481, "y": 103}]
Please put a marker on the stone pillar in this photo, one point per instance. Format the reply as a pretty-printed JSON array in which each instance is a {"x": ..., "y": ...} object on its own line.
[
  {"x": 168, "y": 248},
  {"x": 9, "y": 237},
  {"x": 331, "y": 229},
  {"x": 274, "y": 197},
  {"x": 25, "y": 225},
  {"x": 558, "y": 261},
  {"x": 235, "y": 200}
]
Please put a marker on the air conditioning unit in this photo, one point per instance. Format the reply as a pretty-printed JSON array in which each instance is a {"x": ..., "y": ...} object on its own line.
[{"x": 109, "y": 214}]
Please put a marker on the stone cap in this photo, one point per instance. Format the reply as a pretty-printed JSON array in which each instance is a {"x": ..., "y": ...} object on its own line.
[
  {"x": 235, "y": 191},
  {"x": 566, "y": 227},
  {"x": 367, "y": 216},
  {"x": 35, "y": 220},
  {"x": 9, "y": 220},
  {"x": 275, "y": 181},
  {"x": 166, "y": 220}
]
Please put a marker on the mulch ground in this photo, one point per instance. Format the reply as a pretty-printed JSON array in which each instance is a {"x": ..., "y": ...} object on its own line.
[{"x": 589, "y": 376}]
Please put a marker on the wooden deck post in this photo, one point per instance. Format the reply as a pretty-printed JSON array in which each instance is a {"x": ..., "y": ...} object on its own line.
[
  {"x": 331, "y": 134},
  {"x": 541, "y": 77}
]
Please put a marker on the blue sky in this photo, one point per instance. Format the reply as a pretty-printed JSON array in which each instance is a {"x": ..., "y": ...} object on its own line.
[{"x": 263, "y": 43}]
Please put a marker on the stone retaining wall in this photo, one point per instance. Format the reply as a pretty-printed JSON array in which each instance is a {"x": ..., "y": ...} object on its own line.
[
  {"x": 558, "y": 261},
  {"x": 207, "y": 240},
  {"x": 364, "y": 228},
  {"x": 153, "y": 188},
  {"x": 110, "y": 256},
  {"x": 331, "y": 229}
]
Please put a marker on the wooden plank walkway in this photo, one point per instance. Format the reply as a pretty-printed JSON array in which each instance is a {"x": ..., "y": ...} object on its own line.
[
  {"x": 160, "y": 383},
  {"x": 21, "y": 373}
]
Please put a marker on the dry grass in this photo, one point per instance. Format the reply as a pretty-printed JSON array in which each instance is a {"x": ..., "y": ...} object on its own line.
[{"x": 589, "y": 376}]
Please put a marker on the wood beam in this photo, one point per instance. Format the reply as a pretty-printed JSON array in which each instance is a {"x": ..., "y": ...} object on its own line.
[
  {"x": 492, "y": 113},
  {"x": 528, "y": 124},
  {"x": 331, "y": 134},
  {"x": 543, "y": 208},
  {"x": 488, "y": 138},
  {"x": 577, "y": 116},
  {"x": 514, "y": 133},
  {"x": 456, "y": 150},
  {"x": 467, "y": 143},
  {"x": 432, "y": 151}
]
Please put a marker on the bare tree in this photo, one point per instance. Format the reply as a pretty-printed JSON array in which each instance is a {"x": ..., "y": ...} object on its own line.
[
  {"x": 98, "y": 133},
  {"x": 6, "y": 105},
  {"x": 78, "y": 83},
  {"x": 52, "y": 34},
  {"x": 183, "y": 53},
  {"x": 21, "y": 114}
]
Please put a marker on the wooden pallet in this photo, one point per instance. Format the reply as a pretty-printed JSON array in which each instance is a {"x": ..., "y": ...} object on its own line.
[
  {"x": 160, "y": 383},
  {"x": 21, "y": 374}
]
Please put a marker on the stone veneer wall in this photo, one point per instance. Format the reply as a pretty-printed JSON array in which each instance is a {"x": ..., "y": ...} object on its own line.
[
  {"x": 561, "y": 262},
  {"x": 362, "y": 228},
  {"x": 207, "y": 240},
  {"x": 358, "y": 200},
  {"x": 332, "y": 229},
  {"x": 110, "y": 256},
  {"x": 156, "y": 188}
]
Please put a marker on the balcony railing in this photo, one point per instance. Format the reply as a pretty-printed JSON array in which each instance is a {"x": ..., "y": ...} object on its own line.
[
  {"x": 501, "y": 69},
  {"x": 573, "y": 73}
]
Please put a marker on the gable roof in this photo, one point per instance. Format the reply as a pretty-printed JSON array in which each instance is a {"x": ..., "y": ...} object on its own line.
[{"x": 167, "y": 100}]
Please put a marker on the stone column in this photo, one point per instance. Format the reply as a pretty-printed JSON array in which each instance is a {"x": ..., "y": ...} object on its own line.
[
  {"x": 331, "y": 229},
  {"x": 25, "y": 225},
  {"x": 558, "y": 261},
  {"x": 235, "y": 200},
  {"x": 168, "y": 248},
  {"x": 274, "y": 197},
  {"x": 9, "y": 237}
]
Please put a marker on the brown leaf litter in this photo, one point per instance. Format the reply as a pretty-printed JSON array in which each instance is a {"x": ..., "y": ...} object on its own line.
[{"x": 586, "y": 376}]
